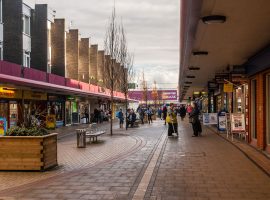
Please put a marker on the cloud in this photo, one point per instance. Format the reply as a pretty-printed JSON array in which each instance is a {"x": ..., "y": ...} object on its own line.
[{"x": 152, "y": 28}]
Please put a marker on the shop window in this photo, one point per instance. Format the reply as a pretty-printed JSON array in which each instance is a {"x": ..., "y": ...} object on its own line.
[
  {"x": 13, "y": 110},
  {"x": 253, "y": 109}
]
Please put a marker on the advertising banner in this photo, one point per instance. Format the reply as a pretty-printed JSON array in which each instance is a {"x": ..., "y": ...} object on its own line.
[
  {"x": 238, "y": 122},
  {"x": 166, "y": 95},
  {"x": 222, "y": 121},
  {"x": 3, "y": 126},
  {"x": 210, "y": 118},
  {"x": 50, "y": 121}
]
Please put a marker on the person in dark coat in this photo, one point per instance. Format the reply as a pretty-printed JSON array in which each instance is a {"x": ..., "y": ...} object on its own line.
[
  {"x": 183, "y": 112},
  {"x": 196, "y": 124},
  {"x": 164, "y": 111}
]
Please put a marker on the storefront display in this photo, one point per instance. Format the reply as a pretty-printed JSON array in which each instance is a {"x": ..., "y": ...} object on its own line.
[
  {"x": 71, "y": 111},
  {"x": 3, "y": 126},
  {"x": 13, "y": 113},
  {"x": 55, "y": 106}
]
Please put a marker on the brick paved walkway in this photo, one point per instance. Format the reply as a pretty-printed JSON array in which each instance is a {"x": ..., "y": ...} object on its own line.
[
  {"x": 144, "y": 163},
  {"x": 206, "y": 168}
]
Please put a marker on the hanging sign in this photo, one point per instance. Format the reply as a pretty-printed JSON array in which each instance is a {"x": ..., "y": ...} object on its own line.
[
  {"x": 210, "y": 118},
  {"x": 238, "y": 122},
  {"x": 228, "y": 87}
]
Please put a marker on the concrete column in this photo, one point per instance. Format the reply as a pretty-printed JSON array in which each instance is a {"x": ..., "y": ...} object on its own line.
[
  {"x": 84, "y": 60},
  {"x": 58, "y": 44},
  {"x": 72, "y": 54},
  {"x": 100, "y": 68},
  {"x": 93, "y": 64}
]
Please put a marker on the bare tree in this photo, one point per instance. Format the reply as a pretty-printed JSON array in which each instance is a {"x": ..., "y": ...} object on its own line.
[
  {"x": 111, "y": 47},
  {"x": 126, "y": 61}
]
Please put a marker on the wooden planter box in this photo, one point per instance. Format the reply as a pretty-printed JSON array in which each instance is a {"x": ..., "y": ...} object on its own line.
[{"x": 28, "y": 152}]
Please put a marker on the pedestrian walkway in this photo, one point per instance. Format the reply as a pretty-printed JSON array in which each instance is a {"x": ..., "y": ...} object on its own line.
[{"x": 145, "y": 164}]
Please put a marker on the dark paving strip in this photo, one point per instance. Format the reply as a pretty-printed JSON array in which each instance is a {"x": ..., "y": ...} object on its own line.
[
  {"x": 139, "y": 178},
  {"x": 153, "y": 178}
]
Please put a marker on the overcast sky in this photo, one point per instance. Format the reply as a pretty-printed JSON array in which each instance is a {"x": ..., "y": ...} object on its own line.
[{"x": 152, "y": 28}]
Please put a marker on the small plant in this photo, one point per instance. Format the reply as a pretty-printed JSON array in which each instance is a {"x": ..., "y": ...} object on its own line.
[{"x": 23, "y": 131}]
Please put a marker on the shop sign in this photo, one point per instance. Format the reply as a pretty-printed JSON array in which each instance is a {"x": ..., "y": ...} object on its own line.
[
  {"x": 239, "y": 78},
  {"x": 3, "y": 126},
  {"x": 34, "y": 95},
  {"x": 238, "y": 69},
  {"x": 212, "y": 85},
  {"x": 71, "y": 98},
  {"x": 10, "y": 93},
  {"x": 238, "y": 122},
  {"x": 228, "y": 87},
  {"x": 56, "y": 98},
  {"x": 220, "y": 77},
  {"x": 210, "y": 118}
]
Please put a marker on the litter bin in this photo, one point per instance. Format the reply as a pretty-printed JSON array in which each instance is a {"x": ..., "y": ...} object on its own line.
[{"x": 81, "y": 138}]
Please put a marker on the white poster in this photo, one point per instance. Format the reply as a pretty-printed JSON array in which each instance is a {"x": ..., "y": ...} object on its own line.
[
  {"x": 222, "y": 122},
  {"x": 209, "y": 118},
  {"x": 238, "y": 122}
]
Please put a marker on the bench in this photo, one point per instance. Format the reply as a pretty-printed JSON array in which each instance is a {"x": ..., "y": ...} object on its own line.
[
  {"x": 94, "y": 135},
  {"x": 94, "y": 132}
]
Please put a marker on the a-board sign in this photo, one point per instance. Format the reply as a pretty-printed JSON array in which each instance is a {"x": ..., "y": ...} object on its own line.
[
  {"x": 222, "y": 121},
  {"x": 210, "y": 118},
  {"x": 238, "y": 122}
]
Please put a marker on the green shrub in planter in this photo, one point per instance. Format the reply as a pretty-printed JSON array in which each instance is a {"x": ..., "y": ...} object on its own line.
[{"x": 22, "y": 131}]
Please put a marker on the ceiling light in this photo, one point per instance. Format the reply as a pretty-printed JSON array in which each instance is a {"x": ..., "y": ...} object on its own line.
[
  {"x": 200, "y": 53},
  {"x": 188, "y": 82},
  {"x": 194, "y": 68},
  {"x": 189, "y": 76},
  {"x": 214, "y": 19}
]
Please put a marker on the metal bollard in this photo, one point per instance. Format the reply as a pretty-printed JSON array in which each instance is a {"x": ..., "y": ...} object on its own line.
[{"x": 81, "y": 138}]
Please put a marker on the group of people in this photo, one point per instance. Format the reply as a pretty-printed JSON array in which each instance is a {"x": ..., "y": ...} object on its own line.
[
  {"x": 132, "y": 117},
  {"x": 167, "y": 114},
  {"x": 170, "y": 117}
]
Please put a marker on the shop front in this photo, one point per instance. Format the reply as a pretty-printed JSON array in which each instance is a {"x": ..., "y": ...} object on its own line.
[
  {"x": 84, "y": 109},
  {"x": 10, "y": 101},
  {"x": 258, "y": 71},
  {"x": 55, "y": 109},
  {"x": 34, "y": 108},
  {"x": 71, "y": 111}
]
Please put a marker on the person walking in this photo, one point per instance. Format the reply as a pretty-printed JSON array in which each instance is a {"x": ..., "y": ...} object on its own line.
[
  {"x": 182, "y": 112},
  {"x": 149, "y": 114},
  {"x": 172, "y": 121},
  {"x": 121, "y": 118},
  {"x": 195, "y": 121},
  {"x": 189, "y": 109},
  {"x": 164, "y": 111}
]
